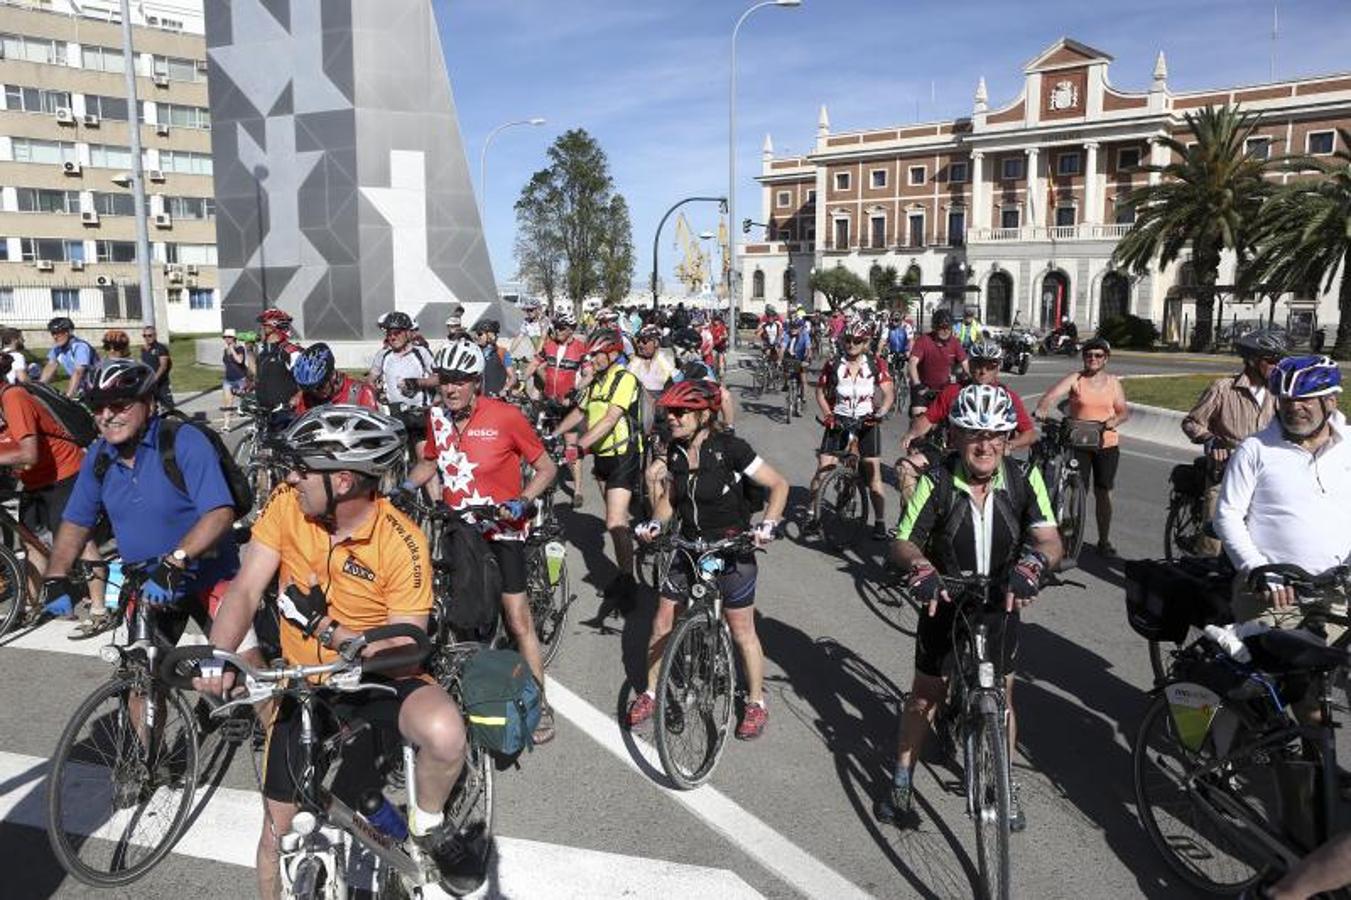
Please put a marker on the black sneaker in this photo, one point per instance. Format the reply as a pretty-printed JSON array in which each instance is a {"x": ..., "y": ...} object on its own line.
[
  {"x": 1017, "y": 820},
  {"x": 459, "y": 858},
  {"x": 880, "y": 532},
  {"x": 895, "y": 808}
]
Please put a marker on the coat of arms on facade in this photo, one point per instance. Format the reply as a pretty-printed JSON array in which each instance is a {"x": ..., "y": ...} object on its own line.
[{"x": 1064, "y": 95}]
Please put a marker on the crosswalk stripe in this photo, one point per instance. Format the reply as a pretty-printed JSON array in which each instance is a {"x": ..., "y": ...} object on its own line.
[{"x": 226, "y": 830}]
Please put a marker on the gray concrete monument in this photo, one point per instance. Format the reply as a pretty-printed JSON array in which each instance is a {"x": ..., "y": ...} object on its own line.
[{"x": 341, "y": 185}]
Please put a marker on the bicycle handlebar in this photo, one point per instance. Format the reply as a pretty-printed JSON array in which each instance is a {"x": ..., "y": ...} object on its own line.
[{"x": 1338, "y": 576}]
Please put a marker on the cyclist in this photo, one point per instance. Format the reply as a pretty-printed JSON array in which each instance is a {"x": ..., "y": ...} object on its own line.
[
  {"x": 934, "y": 358},
  {"x": 156, "y": 355},
  {"x": 116, "y": 344},
  {"x": 718, "y": 329},
  {"x": 610, "y": 408},
  {"x": 69, "y": 353},
  {"x": 534, "y": 325},
  {"x": 769, "y": 330},
  {"x": 554, "y": 376},
  {"x": 346, "y": 561},
  {"x": 1095, "y": 396},
  {"x": 1285, "y": 490},
  {"x": 797, "y": 354},
  {"x": 608, "y": 317},
  {"x": 454, "y": 328},
  {"x": 272, "y": 365},
  {"x": 182, "y": 534},
  {"x": 984, "y": 361},
  {"x": 478, "y": 444},
  {"x": 404, "y": 370},
  {"x": 235, "y": 360},
  {"x": 1232, "y": 408},
  {"x": 316, "y": 375},
  {"x": 848, "y": 390},
  {"x": 970, "y": 330},
  {"x": 499, "y": 378},
  {"x": 897, "y": 342},
  {"x": 651, "y": 366},
  {"x": 707, "y": 467},
  {"x": 973, "y": 513}
]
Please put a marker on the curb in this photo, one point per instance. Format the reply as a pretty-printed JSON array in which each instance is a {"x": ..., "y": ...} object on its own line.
[{"x": 1156, "y": 425}]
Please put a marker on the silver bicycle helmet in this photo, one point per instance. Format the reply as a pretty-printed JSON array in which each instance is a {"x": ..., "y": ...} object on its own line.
[
  {"x": 1262, "y": 342},
  {"x": 339, "y": 437},
  {"x": 983, "y": 407},
  {"x": 987, "y": 350},
  {"x": 462, "y": 357}
]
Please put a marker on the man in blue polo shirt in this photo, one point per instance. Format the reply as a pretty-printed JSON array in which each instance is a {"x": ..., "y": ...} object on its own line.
[
  {"x": 181, "y": 538},
  {"x": 72, "y": 354}
]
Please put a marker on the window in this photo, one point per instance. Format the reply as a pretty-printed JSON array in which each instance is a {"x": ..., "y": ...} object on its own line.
[
  {"x": 1123, "y": 213},
  {"x": 107, "y": 204},
  {"x": 35, "y": 100},
  {"x": 811, "y": 197},
  {"x": 48, "y": 201},
  {"x": 1011, "y": 168},
  {"x": 178, "y": 69},
  {"x": 878, "y": 178},
  {"x": 115, "y": 251},
  {"x": 916, "y": 223},
  {"x": 956, "y": 227},
  {"x": 183, "y": 116},
  {"x": 783, "y": 198},
  {"x": 957, "y": 172},
  {"x": 1010, "y": 217},
  {"x": 54, "y": 249},
  {"x": 175, "y": 295},
  {"x": 185, "y": 162},
  {"x": 31, "y": 49},
  {"x": 1067, "y": 164},
  {"x": 190, "y": 207},
  {"x": 916, "y": 175},
  {"x": 1127, "y": 158},
  {"x": 109, "y": 156},
  {"x": 102, "y": 59},
  {"x": 201, "y": 298},
  {"x": 809, "y": 233},
  {"x": 1320, "y": 142},
  {"x": 785, "y": 234},
  {"x": 1258, "y": 147},
  {"x": 841, "y": 234},
  {"x": 841, "y": 181},
  {"x": 1064, "y": 216},
  {"x": 36, "y": 151},
  {"x": 877, "y": 235},
  {"x": 113, "y": 108},
  {"x": 191, "y": 254},
  {"x": 758, "y": 285},
  {"x": 65, "y": 300},
  {"x": 6, "y": 300},
  {"x": 4, "y": 248}
]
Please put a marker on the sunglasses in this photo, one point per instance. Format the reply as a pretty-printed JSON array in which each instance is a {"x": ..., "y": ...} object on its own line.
[
  {"x": 679, "y": 411},
  {"x": 985, "y": 364},
  {"x": 116, "y": 407},
  {"x": 455, "y": 378},
  {"x": 858, "y": 340},
  {"x": 1095, "y": 354},
  {"x": 985, "y": 437}
]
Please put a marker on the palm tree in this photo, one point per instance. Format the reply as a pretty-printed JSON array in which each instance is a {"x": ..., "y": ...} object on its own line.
[
  {"x": 1206, "y": 199},
  {"x": 1303, "y": 235}
]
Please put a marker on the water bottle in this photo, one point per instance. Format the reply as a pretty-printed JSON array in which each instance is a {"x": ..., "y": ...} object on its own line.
[
  {"x": 1231, "y": 643},
  {"x": 112, "y": 589},
  {"x": 554, "y": 554},
  {"x": 383, "y": 815}
]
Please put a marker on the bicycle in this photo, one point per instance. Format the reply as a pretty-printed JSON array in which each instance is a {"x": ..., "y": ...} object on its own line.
[
  {"x": 14, "y": 548},
  {"x": 1230, "y": 786},
  {"x": 1185, "y": 524},
  {"x": 546, "y": 578},
  {"x": 760, "y": 374},
  {"x": 135, "y": 767},
  {"x": 330, "y": 845},
  {"x": 254, "y": 453},
  {"x": 792, "y": 393},
  {"x": 840, "y": 500},
  {"x": 1054, "y": 456},
  {"x": 696, "y": 682}
]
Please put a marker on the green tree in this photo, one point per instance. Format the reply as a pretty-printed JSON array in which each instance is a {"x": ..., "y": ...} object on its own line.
[
  {"x": 539, "y": 240},
  {"x": 616, "y": 252},
  {"x": 579, "y": 191},
  {"x": 1207, "y": 199},
  {"x": 886, "y": 287},
  {"x": 841, "y": 287},
  {"x": 1303, "y": 235}
]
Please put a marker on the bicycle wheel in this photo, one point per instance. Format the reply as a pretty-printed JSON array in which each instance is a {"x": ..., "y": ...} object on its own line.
[
  {"x": 990, "y": 796},
  {"x": 695, "y": 692},
  {"x": 13, "y": 589},
  {"x": 471, "y": 803},
  {"x": 838, "y": 507},
  {"x": 1188, "y": 816},
  {"x": 789, "y": 399},
  {"x": 1069, "y": 513},
  {"x": 1182, "y": 528},
  {"x": 549, "y": 601},
  {"x": 115, "y": 808}
]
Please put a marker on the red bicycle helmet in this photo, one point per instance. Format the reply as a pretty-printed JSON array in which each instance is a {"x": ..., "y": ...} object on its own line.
[
  {"x": 275, "y": 318},
  {"x": 860, "y": 330},
  {"x": 693, "y": 394},
  {"x": 605, "y": 340}
]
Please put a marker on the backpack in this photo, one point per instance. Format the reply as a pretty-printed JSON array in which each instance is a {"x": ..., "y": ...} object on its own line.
[
  {"x": 476, "y": 581},
  {"x": 274, "y": 382},
  {"x": 241, "y": 490},
  {"x": 502, "y": 701},
  {"x": 754, "y": 496},
  {"x": 72, "y": 415}
]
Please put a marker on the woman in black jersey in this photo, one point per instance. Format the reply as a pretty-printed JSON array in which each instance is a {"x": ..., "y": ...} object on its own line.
[{"x": 707, "y": 467}]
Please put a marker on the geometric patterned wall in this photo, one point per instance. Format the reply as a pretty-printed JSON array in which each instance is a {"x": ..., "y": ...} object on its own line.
[{"x": 342, "y": 190}]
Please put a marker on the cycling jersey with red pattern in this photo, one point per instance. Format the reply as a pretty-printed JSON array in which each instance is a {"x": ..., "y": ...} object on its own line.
[
  {"x": 480, "y": 460},
  {"x": 851, "y": 396},
  {"x": 349, "y": 391},
  {"x": 561, "y": 363}
]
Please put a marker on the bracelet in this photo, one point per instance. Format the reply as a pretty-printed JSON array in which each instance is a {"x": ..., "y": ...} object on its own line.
[{"x": 326, "y": 636}]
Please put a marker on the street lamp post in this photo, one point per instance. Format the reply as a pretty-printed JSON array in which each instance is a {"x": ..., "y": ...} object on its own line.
[
  {"x": 483, "y": 167},
  {"x": 733, "y": 289},
  {"x": 656, "y": 238},
  {"x": 138, "y": 176},
  {"x": 704, "y": 238}
]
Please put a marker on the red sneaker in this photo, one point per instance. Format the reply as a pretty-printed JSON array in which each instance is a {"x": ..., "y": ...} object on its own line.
[
  {"x": 753, "y": 722},
  {"x": 641, "y": 709}
]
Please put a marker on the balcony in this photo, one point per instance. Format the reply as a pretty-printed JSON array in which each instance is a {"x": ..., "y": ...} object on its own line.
[{"x": 1029, "y": 233}]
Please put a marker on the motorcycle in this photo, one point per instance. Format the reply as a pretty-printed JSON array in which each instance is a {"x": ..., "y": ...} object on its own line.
[
  {"x": 1018, "y": 346},
  {"x": 1058, "y": 343}
]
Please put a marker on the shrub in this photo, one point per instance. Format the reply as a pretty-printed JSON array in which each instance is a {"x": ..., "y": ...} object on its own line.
[{"x": 1129, "y": 331}]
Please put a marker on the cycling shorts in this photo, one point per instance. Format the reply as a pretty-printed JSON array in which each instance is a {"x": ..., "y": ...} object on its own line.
[
  {"x": 510, "y": 556},
  {"x": 737, "y": 581},
  {"x": 1102, "y": 463},
  {"x": 933, "y": 641},
  {"x": 619, "y": 472},
  {"x": 835, "y": 440}
]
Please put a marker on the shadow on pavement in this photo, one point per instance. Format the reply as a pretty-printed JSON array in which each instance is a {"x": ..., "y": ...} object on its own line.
[
  {"x": 1109, "y": 570},
  {"x": 853, "y": 708},
  {"x": 1083, "y": 750}
]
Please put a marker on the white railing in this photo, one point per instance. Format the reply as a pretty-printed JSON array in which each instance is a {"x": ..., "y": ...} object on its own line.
[{"x": 1081, "y": 232}]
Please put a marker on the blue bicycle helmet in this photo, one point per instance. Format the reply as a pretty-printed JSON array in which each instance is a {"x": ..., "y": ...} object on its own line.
[
  {"x": 1305, "y": 376},
  {"x": 314, "y": 367}
]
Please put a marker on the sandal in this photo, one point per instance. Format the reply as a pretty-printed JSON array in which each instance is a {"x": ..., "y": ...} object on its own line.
[{"x": 545, "y": 731}]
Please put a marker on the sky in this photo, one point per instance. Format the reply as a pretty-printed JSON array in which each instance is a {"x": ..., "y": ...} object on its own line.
[{"x": 649, "y": 78}]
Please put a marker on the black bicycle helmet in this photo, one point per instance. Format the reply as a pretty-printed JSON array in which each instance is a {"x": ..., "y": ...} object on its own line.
[
  {"x": 941, "y": 318},
  {"x": 1096, "y": 343},
  {"x": 398, "y": 321},
  {"x": 1262, "y": 342},
  {"x": 119, "y": 379},
  {"x": 686, "y": 339},
  {"x": 60, "y": 324}
]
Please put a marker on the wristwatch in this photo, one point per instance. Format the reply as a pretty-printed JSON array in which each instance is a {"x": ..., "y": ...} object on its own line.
[
  {"x": 326, "y": 635},
  {"x": 180, "y": 557}
]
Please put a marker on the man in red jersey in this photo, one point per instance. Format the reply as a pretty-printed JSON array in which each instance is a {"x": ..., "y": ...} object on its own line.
[{"x": 560, "y": 365}]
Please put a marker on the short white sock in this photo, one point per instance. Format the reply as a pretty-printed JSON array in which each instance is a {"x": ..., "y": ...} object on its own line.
[
  {"x": 650, "y": 694},
  {"x": 422, "y": 823}
]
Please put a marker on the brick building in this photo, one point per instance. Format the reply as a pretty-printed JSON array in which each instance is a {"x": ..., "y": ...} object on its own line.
[{"x": 1023, "y": 200}]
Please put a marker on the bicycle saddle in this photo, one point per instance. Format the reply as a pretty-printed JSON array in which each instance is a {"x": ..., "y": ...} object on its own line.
[{"x": 1280, "y": 651}]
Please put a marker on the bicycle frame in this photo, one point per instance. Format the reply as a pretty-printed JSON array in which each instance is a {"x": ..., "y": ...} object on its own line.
[{"x": 976, "y": 686}]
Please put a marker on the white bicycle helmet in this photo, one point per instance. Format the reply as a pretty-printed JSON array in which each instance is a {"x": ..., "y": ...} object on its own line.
[
  {"x": 983, "y": 407},
  {"x": 987, "y": 349},
  {"x": 339, "y": 437},
  {"x": 462, "y": 357}
]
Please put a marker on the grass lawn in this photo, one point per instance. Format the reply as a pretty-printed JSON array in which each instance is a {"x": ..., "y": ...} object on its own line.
[{"x": 1181, "y": 392}]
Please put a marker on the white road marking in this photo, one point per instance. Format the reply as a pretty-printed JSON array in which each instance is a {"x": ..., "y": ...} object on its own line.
[
  {"x": 765, "y": 845},
  {"x": 53, "y": 637},
  {"x": 1153, "y": 456},
  {"x": 227, "y": 832}
]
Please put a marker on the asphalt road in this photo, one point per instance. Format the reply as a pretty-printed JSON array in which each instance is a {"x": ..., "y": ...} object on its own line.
[{"x": 788, "y": 815}]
